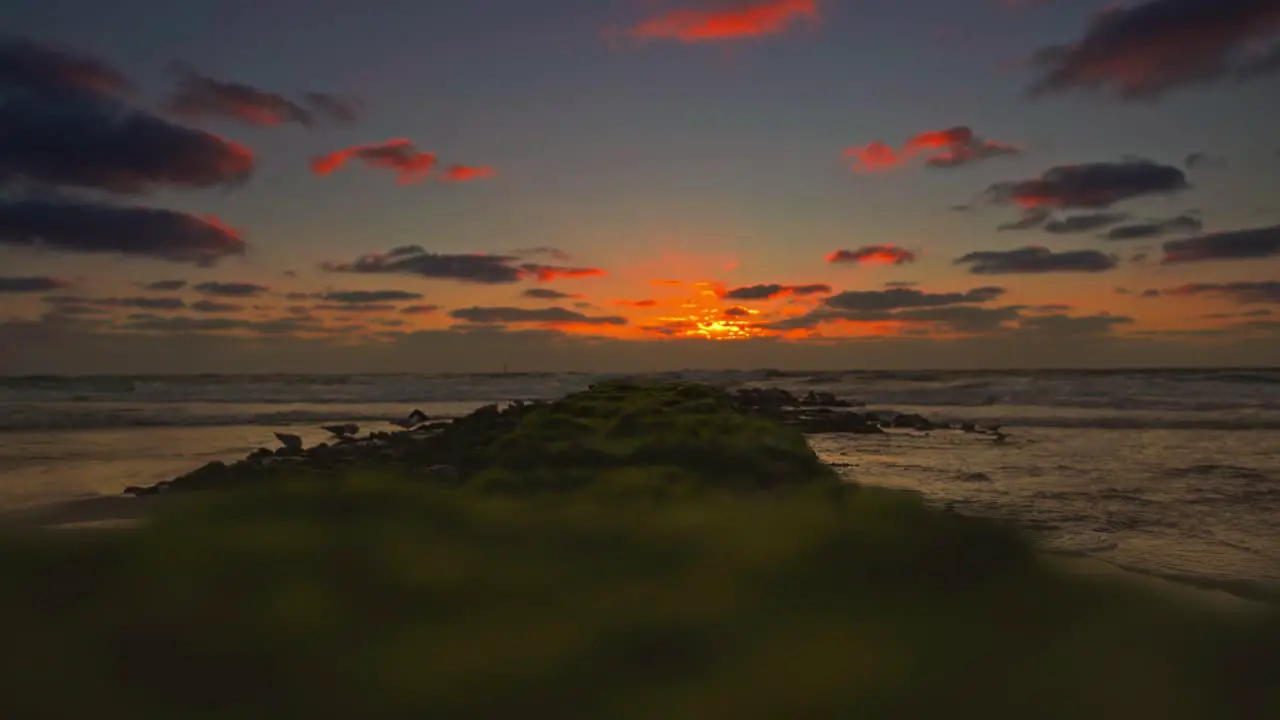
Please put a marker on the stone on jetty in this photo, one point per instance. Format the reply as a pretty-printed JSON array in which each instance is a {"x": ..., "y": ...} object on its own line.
[{"x": 290, "y": 442}]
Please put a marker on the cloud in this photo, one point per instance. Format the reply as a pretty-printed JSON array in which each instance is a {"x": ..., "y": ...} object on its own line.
[
  {"x": 44, "y": 68},
  {"x": 198, "y": 96},
  {"x": 1244, "y": 293},
  {"x": 514, "y": 315},
  {"x": 412, "y": 260},
  {"x": 871, "y": 255},
  {"x": 1200, "y": 159},
  {"x": 1067, "y": 325},
  {"x": 419, "y": 309},
  {"x": 354, "y": 307},
  {"x": 334, "y": 107},
  {"x": 184, "y": 325},
  {"x": 1260, "y": 312},
  {"x": 31, "y": 284},
  {"x": 1031, "y": 219},
  {"x": 903, "y": 298},
  {"x": 1156, "y": 228},
  {"x": 950, "y": 148},
  {"x": 548, "y": 294},
  {"x": 737, "y": 312},
  {"x": 542, "y": 250},
  {"x": 165, "y": 285},
  {"x": 233, "y": 289},
  {"x": 901, "y": 284},
  {"x": 1091, "y": 185},
  {"x": 464, "y": 173},
  {"x": 547, "y": 273},
  {"x": 774, "y": 290},
  {"x": 210, "y": 306},
  {"x": 358, "y": 297},
  {"x": 1083, "y": 223},
  {"x": 141, "y": 303},
  {"x": 1249, "y": 244},
  {"x": 636, "y": 303},
  {"x": 1150, "y": 294},
  {"x": 1146, "y": 50},
  {"x": 753, "y": 18},
  {"x": 61, "y": 125},
  {"x": 1034, "y": 259},
  {"x": 86, "y": 227},
  {"x": 401, "y": 155}
]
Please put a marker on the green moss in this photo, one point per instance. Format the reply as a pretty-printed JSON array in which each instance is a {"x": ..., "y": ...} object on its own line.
[
  {"x": 687, "y": 432},
  {"x": 368, "y": 598}
]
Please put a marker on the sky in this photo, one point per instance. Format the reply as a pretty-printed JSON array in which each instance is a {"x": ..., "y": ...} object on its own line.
[{"x": 617, "y": 185}]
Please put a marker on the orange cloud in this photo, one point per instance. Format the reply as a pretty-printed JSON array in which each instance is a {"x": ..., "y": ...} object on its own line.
[
  {"x": 745, "y": 20},
  {"x": 401, "y": 155},
  {"x": 464, "y": 173},
  {"x": 666, "y": 283},
  {"x": 872, "y": 255},
  {"x": 948, "y": 148},
  {"x": 547, "y": 273},
  {"x": 636, "y": 303}
]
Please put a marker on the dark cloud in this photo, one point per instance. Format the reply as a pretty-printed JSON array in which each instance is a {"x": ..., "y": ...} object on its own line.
[
  {"x": 873, "y": 254},
  {"x": 184, "y": 324},
  {"x": 547, "y": 273},
  {"x": 1150, "y": 294},
  {"x": 1246, "y": 244},
  {"x": 1143, "y": 51},
  {"x": 47, "y": 69},
  {"x": 1049, "y": 308},
  {"x": 1138, "y": 257},
  {"x": 232, "y": 289},
  {"x": 419, "y": 309},
  {"x": 1090, "y": 185},
  {"x": 1260, "y": 312},
  {"x": 413, "y": 260},
  {"x": 333, "y": 107},
  {"x": 1036, "y": 260},
  {"x": 737, "y": 312},
  {"x": 1156, "y": 228},
  {"x": 1030, "y": 220},
  {"x": 548, "y": 294},
  {"x": 209, "y": 306},
  {"x": 1203, "y": 160},
  {"x": 515, "y": 315},
  {"x": 400, "y": 155},
  {"x": 87, "y": 227},
  {"x": 141, "y": 303},
  {"x": 950, "y": 148},
  {"x": 901, "y": 298},
  {"x": 357, "y": 297},
  {"x": 774, "y": 290},
  {"x": 1083, "y": 223},
  {"x": 1244, "y": 293},
  {"x": 542, "y": 250},
  {"x": 199, "y": 96},
  {"x": 165, "y": 285},
  {"x": 354, "y": 307},
  {"x": 60, "y": 126},
  {"x": 1123, "y": 291},
  {"x": 31, "y": 284},
  {"x": 959, "y": 318},
  {"x": 1067, "y": 325}
]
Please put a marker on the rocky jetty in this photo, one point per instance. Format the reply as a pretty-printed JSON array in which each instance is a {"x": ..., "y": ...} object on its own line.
[{"x": 611, "y": 425}]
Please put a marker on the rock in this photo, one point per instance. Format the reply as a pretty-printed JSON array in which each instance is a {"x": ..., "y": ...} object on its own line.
[
  {"x": 286, "y": 452},
  {"x": 292, "y": 442},
  {"x": 137, "y": 491},
  {"x": 260, "y": 454},
  {"x": 341, "y": 431},
  {"x": 969, "y": 428},
  {"x": 444, "y": 474},
  {"x": 837, "y": 422}
]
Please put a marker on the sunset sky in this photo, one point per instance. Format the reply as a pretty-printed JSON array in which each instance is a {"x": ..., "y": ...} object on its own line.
[{"x": 410, "y": 185}]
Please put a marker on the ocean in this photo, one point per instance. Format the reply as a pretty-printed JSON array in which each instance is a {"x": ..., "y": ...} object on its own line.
[{"x": 1171, "y": 473}]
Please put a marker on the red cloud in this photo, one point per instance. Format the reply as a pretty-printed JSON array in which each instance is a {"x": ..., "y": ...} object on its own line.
[
  {"x": 547, "y": 273},
  {"x": 751, "y": 19},
  {"x": 464, "y": 173},
  {"x": 636, "y": 303},
  {"x": 950, "y": 148},
  {"x": 873, "y": 254},
  {"x": 400, "y": 155}
]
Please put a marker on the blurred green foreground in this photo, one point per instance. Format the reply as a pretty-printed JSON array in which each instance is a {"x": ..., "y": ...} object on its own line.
[{"x": 659, "y": 556}]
